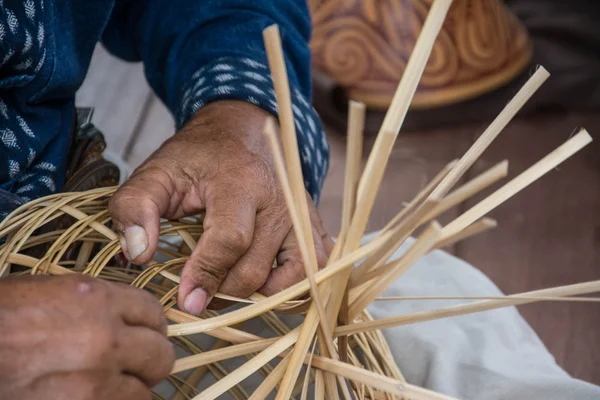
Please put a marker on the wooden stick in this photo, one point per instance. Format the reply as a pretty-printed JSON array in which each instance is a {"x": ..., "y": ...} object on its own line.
[
  {"x": 529, "y": 176},
  {"x": 523, "y": 298},
  {"x": 488, "y": 136}
]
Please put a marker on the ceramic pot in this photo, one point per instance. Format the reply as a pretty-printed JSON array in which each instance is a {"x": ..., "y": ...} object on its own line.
[{"x": 364, "y": 45}]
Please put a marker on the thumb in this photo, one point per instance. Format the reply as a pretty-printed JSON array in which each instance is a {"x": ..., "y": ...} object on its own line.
[{"x": 135, "y": 209}]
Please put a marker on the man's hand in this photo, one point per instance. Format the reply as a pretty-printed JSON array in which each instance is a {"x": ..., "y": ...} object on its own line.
[
  {"x": 220, "y": 162},
  {"x": 79, "y": 338}
]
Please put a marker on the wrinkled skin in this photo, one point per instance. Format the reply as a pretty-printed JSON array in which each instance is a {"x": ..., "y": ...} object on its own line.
[
  {"x": 79, "y": 338},
  {"x": 219, "y": 162}
]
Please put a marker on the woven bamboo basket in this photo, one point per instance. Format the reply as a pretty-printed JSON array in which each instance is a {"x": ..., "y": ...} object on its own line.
[{"x": 315, "y": 331}]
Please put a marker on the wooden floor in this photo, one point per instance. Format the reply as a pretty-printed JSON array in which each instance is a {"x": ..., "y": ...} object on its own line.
[{"x": 548, "y": 235}]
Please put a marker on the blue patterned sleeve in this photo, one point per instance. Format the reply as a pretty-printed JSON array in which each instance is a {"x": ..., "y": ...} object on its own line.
[{"x": 195, "y": 53}]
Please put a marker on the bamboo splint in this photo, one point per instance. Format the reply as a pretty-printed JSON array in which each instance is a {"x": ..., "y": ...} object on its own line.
[{"x": 335, "y": 344}]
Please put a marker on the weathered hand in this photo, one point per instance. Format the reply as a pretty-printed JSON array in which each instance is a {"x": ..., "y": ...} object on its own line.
[
  {"x": 220, "y": 162},
  {"x": 79, "y": 338}
]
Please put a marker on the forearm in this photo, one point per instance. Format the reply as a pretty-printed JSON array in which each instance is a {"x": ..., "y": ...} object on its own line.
[{"x": 196, "y": 54}]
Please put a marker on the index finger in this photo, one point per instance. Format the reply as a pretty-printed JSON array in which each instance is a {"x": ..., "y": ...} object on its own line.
[{"x": 228, "y": 233}]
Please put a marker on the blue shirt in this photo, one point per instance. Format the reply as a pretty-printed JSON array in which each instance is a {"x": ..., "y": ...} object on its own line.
[{"x": 194, "y": 52}]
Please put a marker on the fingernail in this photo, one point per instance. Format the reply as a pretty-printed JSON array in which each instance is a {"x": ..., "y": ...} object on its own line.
[
  {"x": 136, "y": 241},
  {"x": 123, "y": 245},
  {"x": 195, "y": 302}
]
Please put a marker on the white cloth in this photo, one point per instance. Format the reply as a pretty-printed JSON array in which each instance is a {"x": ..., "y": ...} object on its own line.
[{"x": 492, "y": 355}]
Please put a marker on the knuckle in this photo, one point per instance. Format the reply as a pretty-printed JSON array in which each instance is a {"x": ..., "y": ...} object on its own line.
[
  {"x": 167, "y": 360},
  {"x": 147, "y": 302},
  {"x": 104, "y": 341},
  {"x": 160, "y": 321},
  {"x": 322, "y": 259},
  {"x": 151, "y": 303},
  {"x": 299, "y": 273},
  {"x": 236, "y": 238},
  {"x": 319, "y": 241},
  {"x": 99, "y": 343},
  {"x": 133, "y": 192},
  {"x": 207, "y": 275},
  {"x": 164, "y": 356},
  {"x": 251, "y": 277},
  {"x": 86, "y": 384}
]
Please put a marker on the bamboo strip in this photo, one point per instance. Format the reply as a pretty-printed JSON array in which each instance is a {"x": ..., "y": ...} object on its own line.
[
  {"x": 418, "y": 249},
  {"x": 523, "y": 298},
  {"x": 537, "y": 298},
  {"x": 290, "y": 144},
  {"x": 361, "y": 274},
  {"x": 383, "y": 383},
  {"x": 298, "y": 353},
  {"x": 217, "y": 370},
  {"x": 196, "y": 375},
  {"x": 483, "y": 225},
  {"x": 309, "y": 257},
  {"x": 488, "y": 136},
  {"x": 348, "y": 371},
  {"x": 307, "y": 374},
  {"x": 418, "y": 199},
  {"x": 226, "y": 333},
  {"x": 319, "y": 385},
  {"x": 529, "y": 176},
  {"x": 399, "y": 235},
  {"x": 30, "y": 262},
  {"x": 271, "y": 302},
  {"x": 445, "y": 297},
  {"x": 377, "y": 161},
  {"x": 221, "y": 354},
  {"x": 75, "y": 213},
  {"x": 272, "y": 380},
  {"x": 469, "y": 189},
  {"x": 249, "y": 367},
  {"x": 356, "y": 123}
]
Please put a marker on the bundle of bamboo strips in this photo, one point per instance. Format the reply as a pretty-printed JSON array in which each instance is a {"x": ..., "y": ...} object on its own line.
[{"x": 337, "y": 345}]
